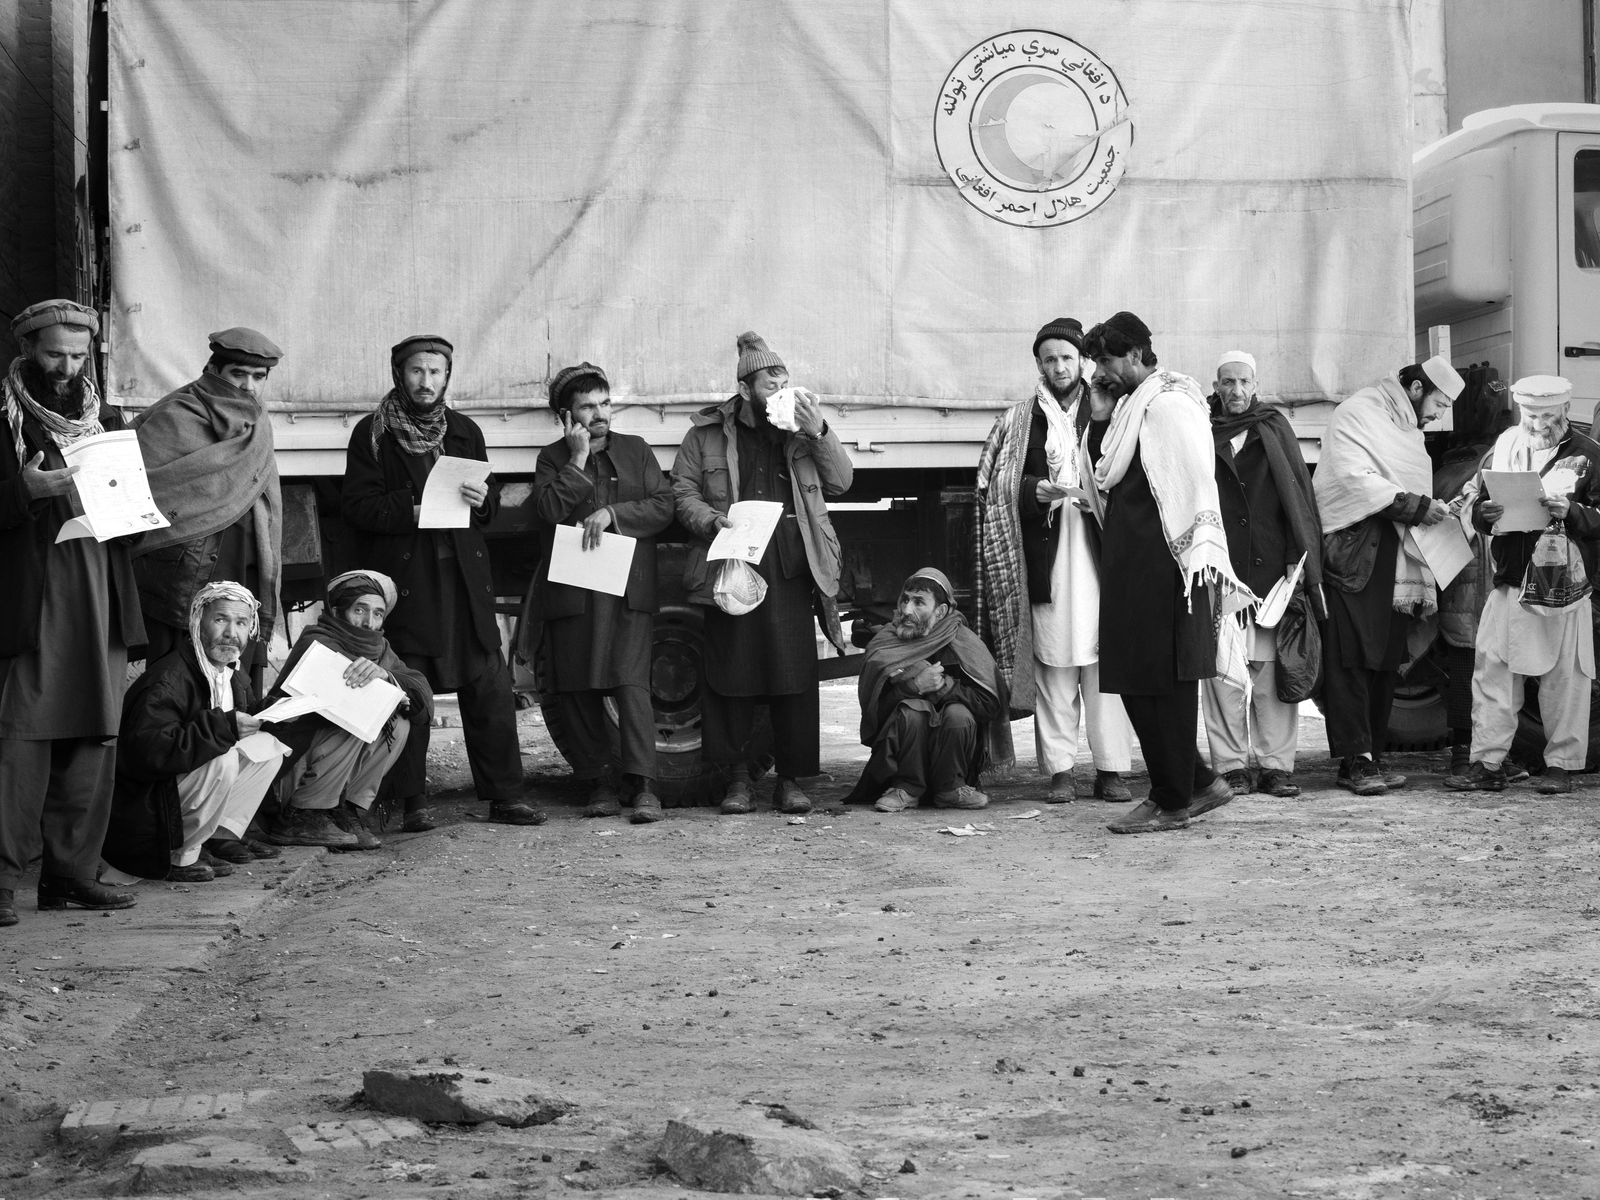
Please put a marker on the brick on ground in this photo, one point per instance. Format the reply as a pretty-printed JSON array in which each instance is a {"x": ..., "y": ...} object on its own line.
[
  {"x": 351, "y": 1135},
  {"x": 102, "y": 1122}
]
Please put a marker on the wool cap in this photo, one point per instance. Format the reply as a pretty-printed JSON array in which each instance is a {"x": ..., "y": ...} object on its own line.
[
  {"x": 563, "y": 386},
  {"x": 421, "y": 343},
  {"x": 1129, "y": 326},
  {"x": 1066, "y": 329},
  {"x": 243, "y": 346},
  {"x": 54, "y": 312},
  {"x": 754, "y": 355},
  {"x": 929, "y": 579},
  {"x": 1540, "y": 392},
  {"x": 1238, "y": 356},
  {"x": 1444, "y": 377}
]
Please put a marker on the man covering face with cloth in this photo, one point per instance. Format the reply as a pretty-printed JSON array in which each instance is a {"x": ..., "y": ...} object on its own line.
[{"x": 933, "y": 706}]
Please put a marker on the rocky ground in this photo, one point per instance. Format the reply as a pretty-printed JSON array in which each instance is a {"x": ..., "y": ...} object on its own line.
[{"x": 1326, "y": 997}]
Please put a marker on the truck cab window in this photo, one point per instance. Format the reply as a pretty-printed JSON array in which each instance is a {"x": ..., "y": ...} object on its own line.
[{"x": 1586, "y": 209}]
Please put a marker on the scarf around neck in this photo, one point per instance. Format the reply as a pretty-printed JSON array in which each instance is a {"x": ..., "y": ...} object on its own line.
[
  {"x": 1290, "y": 477},
  {"x": 415, "y": 430},
  {"x": 60, "y": 429},
  {"x": 1061, "y": 437}
]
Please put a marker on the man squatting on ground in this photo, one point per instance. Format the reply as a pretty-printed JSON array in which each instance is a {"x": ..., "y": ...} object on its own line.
[
  {"x": 333, "y": 776},
  {"x": 933, "y": 705},
  {"x": 208, "y": 452},
  {"x": 1375, "y": 481},
  {"x": 1269, "y": 514},
  {"x": 1037, "y": 547},
  {"x": 185, "y": 784},
  {"x": 445, "y": 624},
  {"x": 1149, "y": 457},
  {"x": 69, "y": 619},
  {"x": 597, "y": 644},
  {"x": 769, "y": 654},
  {"x": 1516, "y": 642}
]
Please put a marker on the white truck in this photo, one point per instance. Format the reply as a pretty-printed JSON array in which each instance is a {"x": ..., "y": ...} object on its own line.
[{"x": 896, "y": 194}]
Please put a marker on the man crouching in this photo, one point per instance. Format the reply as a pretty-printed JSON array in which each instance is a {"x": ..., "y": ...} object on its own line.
[
  {"x": 932, "y": 705},
  {"x": 186, "y": 780}
]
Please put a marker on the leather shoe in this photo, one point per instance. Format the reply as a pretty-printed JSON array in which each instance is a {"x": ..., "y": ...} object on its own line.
[
  {"x": 1214, "y": 795},
  {"x": 8, "y": 907},
  {"x": 260, "y": 849},
  {"x": 229, "y": 849},
  {"x": 1278, "y": 783},
  {"x": 736, "y": 800},
  {"x": 1062, "y": 789},
  {"x": 646, "y": 809},
  {"x": 791, "y": 800},
  {"x": 516, "y": 812},
  {"x": 1147, "y": 817},
  {"x": 1108, "y": 786},
  {"x": 1240, "y": 781},
  {"x": 1554, "y": 782},
  {"x": 59, "y": 891},
  {"x": 194, "y": 873},
  {"x": 218, "y": 868},
  {"x": 603, "y": 802}
]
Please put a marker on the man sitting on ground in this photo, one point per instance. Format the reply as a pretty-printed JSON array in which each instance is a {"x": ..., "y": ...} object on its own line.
[
  {"x": 933, "y": 707},
  {"x": 186, "y": 788}
]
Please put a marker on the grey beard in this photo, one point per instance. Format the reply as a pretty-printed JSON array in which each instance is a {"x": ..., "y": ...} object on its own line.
[{"x": 1548, "y": 438}]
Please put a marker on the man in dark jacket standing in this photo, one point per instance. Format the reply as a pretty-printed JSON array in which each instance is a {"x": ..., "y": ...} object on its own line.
[
  {"x": 598, "y": 644},
  {"x": 445, "y": 625},
  {"x": 1270, "y": 517},
  {"x": 69, "y": 618}
]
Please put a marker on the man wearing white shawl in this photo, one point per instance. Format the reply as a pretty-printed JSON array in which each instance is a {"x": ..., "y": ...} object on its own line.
[
  {"x": 1148, "y": 459},
  {"x": 1373, "y": 483},
  {"x": 1515, "y": 641}
]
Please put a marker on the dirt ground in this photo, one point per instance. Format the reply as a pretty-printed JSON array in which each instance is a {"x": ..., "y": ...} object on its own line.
[{"x": 1325, "y": 997}]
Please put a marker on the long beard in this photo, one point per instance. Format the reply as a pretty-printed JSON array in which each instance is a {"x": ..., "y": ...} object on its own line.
[
  {"x": 66, "y": 403},
  {"x": 1543, "y": 439}
]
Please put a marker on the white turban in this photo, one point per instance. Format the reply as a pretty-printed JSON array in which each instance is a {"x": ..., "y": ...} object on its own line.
[
  {"x": 1539, "y": 393},
  {"x": 1238, "y": 356}
]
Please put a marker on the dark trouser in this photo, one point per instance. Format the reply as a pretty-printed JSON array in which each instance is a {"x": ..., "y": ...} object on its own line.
[
  {"x": 57, "y": 793},
  {"x": 1165, "y": 726},
  {"x": 636, "y": 718},
  {"x": 1458, "y": 662},
  {"x": 726, "y": 723},
  {"x": 1355, "y": 700},
  {"x": 488, "y": 726},
  {"x": 925, "y": 752}
]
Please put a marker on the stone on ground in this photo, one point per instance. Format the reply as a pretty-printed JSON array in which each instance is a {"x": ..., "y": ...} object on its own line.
[
  {"x": 461, "y": 1096},
  {"x": 212, "y": 1161},
  {"x": 350, "y": 1135},
  {"x": 102, "y": 1122},
  {"x": 744, "y": 1150}
]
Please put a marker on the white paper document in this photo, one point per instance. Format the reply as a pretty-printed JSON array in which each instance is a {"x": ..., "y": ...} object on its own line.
[
  {"x": 260, "y": 746},
  {"x": 361, "y": 711},
  {"x": 1444, "y": 548},
  {"x": 603, "y": 569},
  {"x": 1276, "y": 601},
  {"x": 753, "y": 524},
  {"x": 443, "y": 505},
  {"x": 288, "y": 708},
  {"x": 112, "y": 487},
  {"x": 1519, "y": 492}
]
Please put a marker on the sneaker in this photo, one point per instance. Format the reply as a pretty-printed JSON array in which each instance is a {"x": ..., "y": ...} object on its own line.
[
  {"x": 603, "y": 801},
  {"x": 1108, "y": 786},
  {"x": 1391, "y": 779},
  {"x": 1239, "y": 780},
  {"x": 516, "y": 812},
  {"x": 58, "y": 891},
  {"x": 1360, "y": 775},
  {"x": 194, "y": 873},
  {"x": 1214, "y": 795},
  {"x": 308, "y": 827},
  {"x": 1062, "y": 790},
  {"x": 790, "y": 799},
  {"x": 1554, "y": 782},
  {"x": 898, "y": 800},
  {"x": 8, "y": 908},
  {"x": 1479, "y": 778},
  {"x": 1148, "y": 818},
  {"x": 646, "y": 809},
  {"x": 1278, "y": 783},
  {"x": 353, "y": 820},
  {"x": 229, "y": 849},
  {"x": 964, "y": 796}
]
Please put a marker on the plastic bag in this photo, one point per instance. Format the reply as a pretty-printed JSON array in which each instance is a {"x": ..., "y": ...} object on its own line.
[
  {"x": 738, "y": 587},
  {"x": 1299, "y": 641},
  {"x": 1556, "y": 578}
]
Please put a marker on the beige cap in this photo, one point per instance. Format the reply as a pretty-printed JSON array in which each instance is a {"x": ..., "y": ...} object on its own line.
[
  {"x": 1536, "y": 392},
  {"x": 1444, "y": 377},
  {"x": 1238, "y": 356}
]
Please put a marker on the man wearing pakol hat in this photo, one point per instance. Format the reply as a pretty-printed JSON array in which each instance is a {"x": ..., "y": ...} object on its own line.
[
  {"x": 738, "y": 450},
  {"x": 193, "y": 764},
  {"x": 69, "y": 619},
  {"x": 445, "y": 624},
  {"x": 208, "y": 450},
  {"x": 596, "y": 644},
  {"x": 1269, "y": 514},
  {"x": 1374, "y": 482},
  {"x": 333, "y": 776},
  {"x": 1517, "y": 642},
  {"x": 1148, "y": 468},
  {"x": 933, "y": 705},
  {"x": 1039, "y": 572}
]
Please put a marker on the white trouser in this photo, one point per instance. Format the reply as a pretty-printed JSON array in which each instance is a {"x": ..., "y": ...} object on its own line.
[
  {"x": 1563, "y": 706},
  {"x": 1234, "y": 721},
  {"x": 222, "y": 794},
  {"x": 341, "y": 764},
  {"x": 1055, "y": 720}
]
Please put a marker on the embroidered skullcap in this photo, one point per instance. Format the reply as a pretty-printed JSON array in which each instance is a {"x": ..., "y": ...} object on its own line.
[
  {"x": 1444, "y": 377},
  {"x": 343, "y": 590},
  {"x": 1066, "y": 329},
  {"x": 1537, "y": 393},
  {"x": 421, "y": 343},
  {"x": 565, "y": 384},
  {"x": 245, "y": 347},
  {"x": 1238, "y": 356},
  {"x": 932, "y": 579},
  {"x": 54, "y": 312},
  {"x": 754, "y": 355}
]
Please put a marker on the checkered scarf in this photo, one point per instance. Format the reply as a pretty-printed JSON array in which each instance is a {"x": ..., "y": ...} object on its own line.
[
  {"x": 1004, "y": 622},
  {"x": 418, "y": 431},
  {"x": 63, "y": 431}
]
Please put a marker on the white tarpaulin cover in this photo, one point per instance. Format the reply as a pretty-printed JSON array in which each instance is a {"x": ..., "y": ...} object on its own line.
[{"x": 635, "y": 182}]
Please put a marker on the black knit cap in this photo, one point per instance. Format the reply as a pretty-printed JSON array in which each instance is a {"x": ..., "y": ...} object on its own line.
[
  {"x": 1067, "y": 329},
  {"x": 565, "y": 384}
]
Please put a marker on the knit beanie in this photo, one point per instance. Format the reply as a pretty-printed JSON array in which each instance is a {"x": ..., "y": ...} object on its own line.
[
  {"x": 1067, "y": 329},
  {"x": 754, "y": 355}
]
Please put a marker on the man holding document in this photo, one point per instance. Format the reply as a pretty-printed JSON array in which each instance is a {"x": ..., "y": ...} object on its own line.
[
  {"x": 445, "y": 625},
  {"x": 1518, "y": 640},
  {"x": 603, "y": 491},
  {"x": 69, "y": 617}
]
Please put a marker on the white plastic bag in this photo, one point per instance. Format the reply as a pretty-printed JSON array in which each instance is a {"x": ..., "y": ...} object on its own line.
[{"x": 738, "y": 587}]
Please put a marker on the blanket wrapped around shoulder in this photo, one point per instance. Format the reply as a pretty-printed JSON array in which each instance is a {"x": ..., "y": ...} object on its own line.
[
  {"x": 353, "y": 643},
  {"x": 1004, "y": 621}
]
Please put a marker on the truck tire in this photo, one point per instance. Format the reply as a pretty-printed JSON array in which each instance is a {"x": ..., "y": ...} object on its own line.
[{"x": 1417, "y": 720}]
